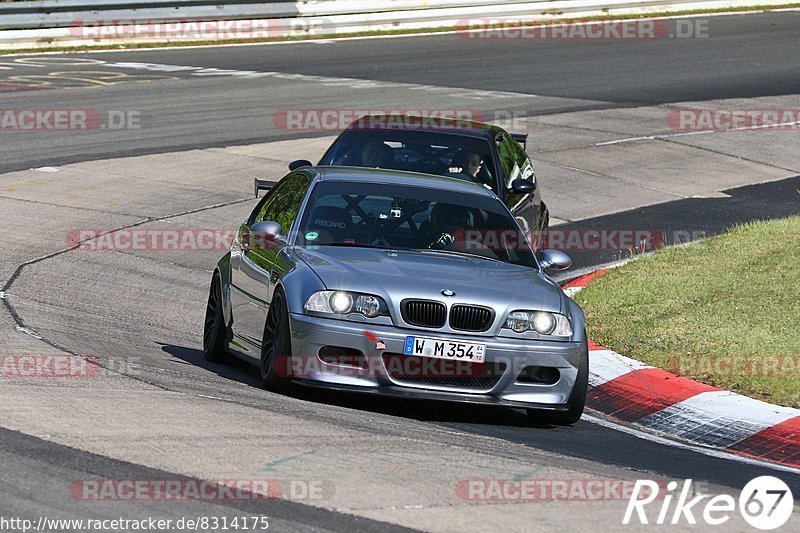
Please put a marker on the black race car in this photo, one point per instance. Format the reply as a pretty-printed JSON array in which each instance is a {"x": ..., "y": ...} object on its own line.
[{"x": 472, "y": 151}]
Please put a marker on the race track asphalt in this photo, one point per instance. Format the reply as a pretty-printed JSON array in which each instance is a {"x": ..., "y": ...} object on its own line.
[
  {"x": 739, "y": 56},
  {"x": 148, "y": 309}
]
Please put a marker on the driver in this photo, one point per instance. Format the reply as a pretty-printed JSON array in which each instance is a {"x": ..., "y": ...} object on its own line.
[
  {"x": 376, "y": 154},
  {"x": 447, "y": 224},
  {"x": 465, "y": 165}
]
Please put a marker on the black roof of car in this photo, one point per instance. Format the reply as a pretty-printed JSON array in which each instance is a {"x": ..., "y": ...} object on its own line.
[{"x": 398, "y": 177}]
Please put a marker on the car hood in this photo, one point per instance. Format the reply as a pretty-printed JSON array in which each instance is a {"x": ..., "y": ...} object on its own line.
[{"x": 397, "y": 275}]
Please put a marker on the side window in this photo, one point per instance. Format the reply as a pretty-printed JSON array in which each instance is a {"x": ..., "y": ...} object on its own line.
[
  {"x": 284, "y": 202},
  {"x": 258, "y": 212},
  {"x": 523, "y": 161},
  {"x": 508, "y": 158}
]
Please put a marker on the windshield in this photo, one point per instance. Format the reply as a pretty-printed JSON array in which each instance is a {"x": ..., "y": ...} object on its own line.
[
  {"x": 412, "y": 218},
  {"x": 427, "y": 152}
]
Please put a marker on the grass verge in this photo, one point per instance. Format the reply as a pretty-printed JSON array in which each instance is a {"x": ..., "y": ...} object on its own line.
[{"x": 724, "y": 311}]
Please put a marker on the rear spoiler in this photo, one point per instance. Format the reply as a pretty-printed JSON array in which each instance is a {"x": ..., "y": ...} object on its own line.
[
  {"x": 521, "y": 138},
  {"x": 263, "y": 185}
]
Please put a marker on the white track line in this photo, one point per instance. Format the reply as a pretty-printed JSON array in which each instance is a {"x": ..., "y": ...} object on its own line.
[
  {"x": 778, "y": 126},
  {"x": 332, "y": 81},
  {"x": 30, "y": 332}
]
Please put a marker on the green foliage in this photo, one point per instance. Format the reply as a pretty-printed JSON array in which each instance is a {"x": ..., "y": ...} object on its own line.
[{"x": 724, "y": 311}]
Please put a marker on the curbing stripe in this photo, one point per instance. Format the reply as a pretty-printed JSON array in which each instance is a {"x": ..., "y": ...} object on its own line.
[
  {"x": 642, "y": 393},
  {"x": 586, "y": 278},
  {"x": 777, "y": 443},
  {"x": 719, "y": 418},
  {"x": 606, "y": 366},
  {"x": 593, "y": 346},
  {"x": 662, "y": 402},
  {"x": 574, "y": 287}
]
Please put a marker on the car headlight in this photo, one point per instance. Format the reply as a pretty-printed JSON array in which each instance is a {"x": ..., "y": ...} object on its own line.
[
  {"x": 344, "y": 303},
  {"x": 340, "y": 302},
  {"x": 542, "y": 322}
]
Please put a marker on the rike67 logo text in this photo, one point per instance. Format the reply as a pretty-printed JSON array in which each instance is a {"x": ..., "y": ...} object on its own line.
[{"x": 765, "y": 503}]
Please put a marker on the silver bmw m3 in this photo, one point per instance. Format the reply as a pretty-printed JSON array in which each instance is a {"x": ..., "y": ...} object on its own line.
[{"x": 400, "y": 284}]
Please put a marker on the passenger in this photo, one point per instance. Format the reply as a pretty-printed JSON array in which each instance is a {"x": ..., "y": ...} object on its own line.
[{"x": 375, "y": 154}]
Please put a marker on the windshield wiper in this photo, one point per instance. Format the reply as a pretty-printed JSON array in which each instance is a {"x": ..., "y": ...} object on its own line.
[
  {"x": 358, "y": 245},
  {"x": 462, "y": 254}
]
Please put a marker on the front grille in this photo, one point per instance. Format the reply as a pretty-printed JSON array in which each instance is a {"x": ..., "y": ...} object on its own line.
[
  {"x": 423, "y": 313},
  {"x": 442, "y": 372},
  {"x": 471, "y": 318}
]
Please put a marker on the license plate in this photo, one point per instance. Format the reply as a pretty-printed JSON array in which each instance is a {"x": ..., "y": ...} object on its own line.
[{"x": 445, "y": 349}]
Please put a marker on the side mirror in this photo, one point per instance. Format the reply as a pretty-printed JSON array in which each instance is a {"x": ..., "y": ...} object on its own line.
[
  {"x": 264, "y": 235},
  {"x": 522, "y": 186},
  {"x": 300, "y": 163},
  {"x": 554, "y": 260}
]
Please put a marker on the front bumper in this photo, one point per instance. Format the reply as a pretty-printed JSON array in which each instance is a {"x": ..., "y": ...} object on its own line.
[{"x": 310, "y": 334}]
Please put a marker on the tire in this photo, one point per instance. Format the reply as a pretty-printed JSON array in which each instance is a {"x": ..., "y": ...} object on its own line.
[
  {"x": 215, "y": 332},
  {"x": 577, "y": 400},
  {"x": 276, "y": 343}
]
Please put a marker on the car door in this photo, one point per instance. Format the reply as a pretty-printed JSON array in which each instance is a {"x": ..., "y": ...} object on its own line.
[
  {"x": 255, "y": 268},
  {"x": 515, "y": 163}
]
